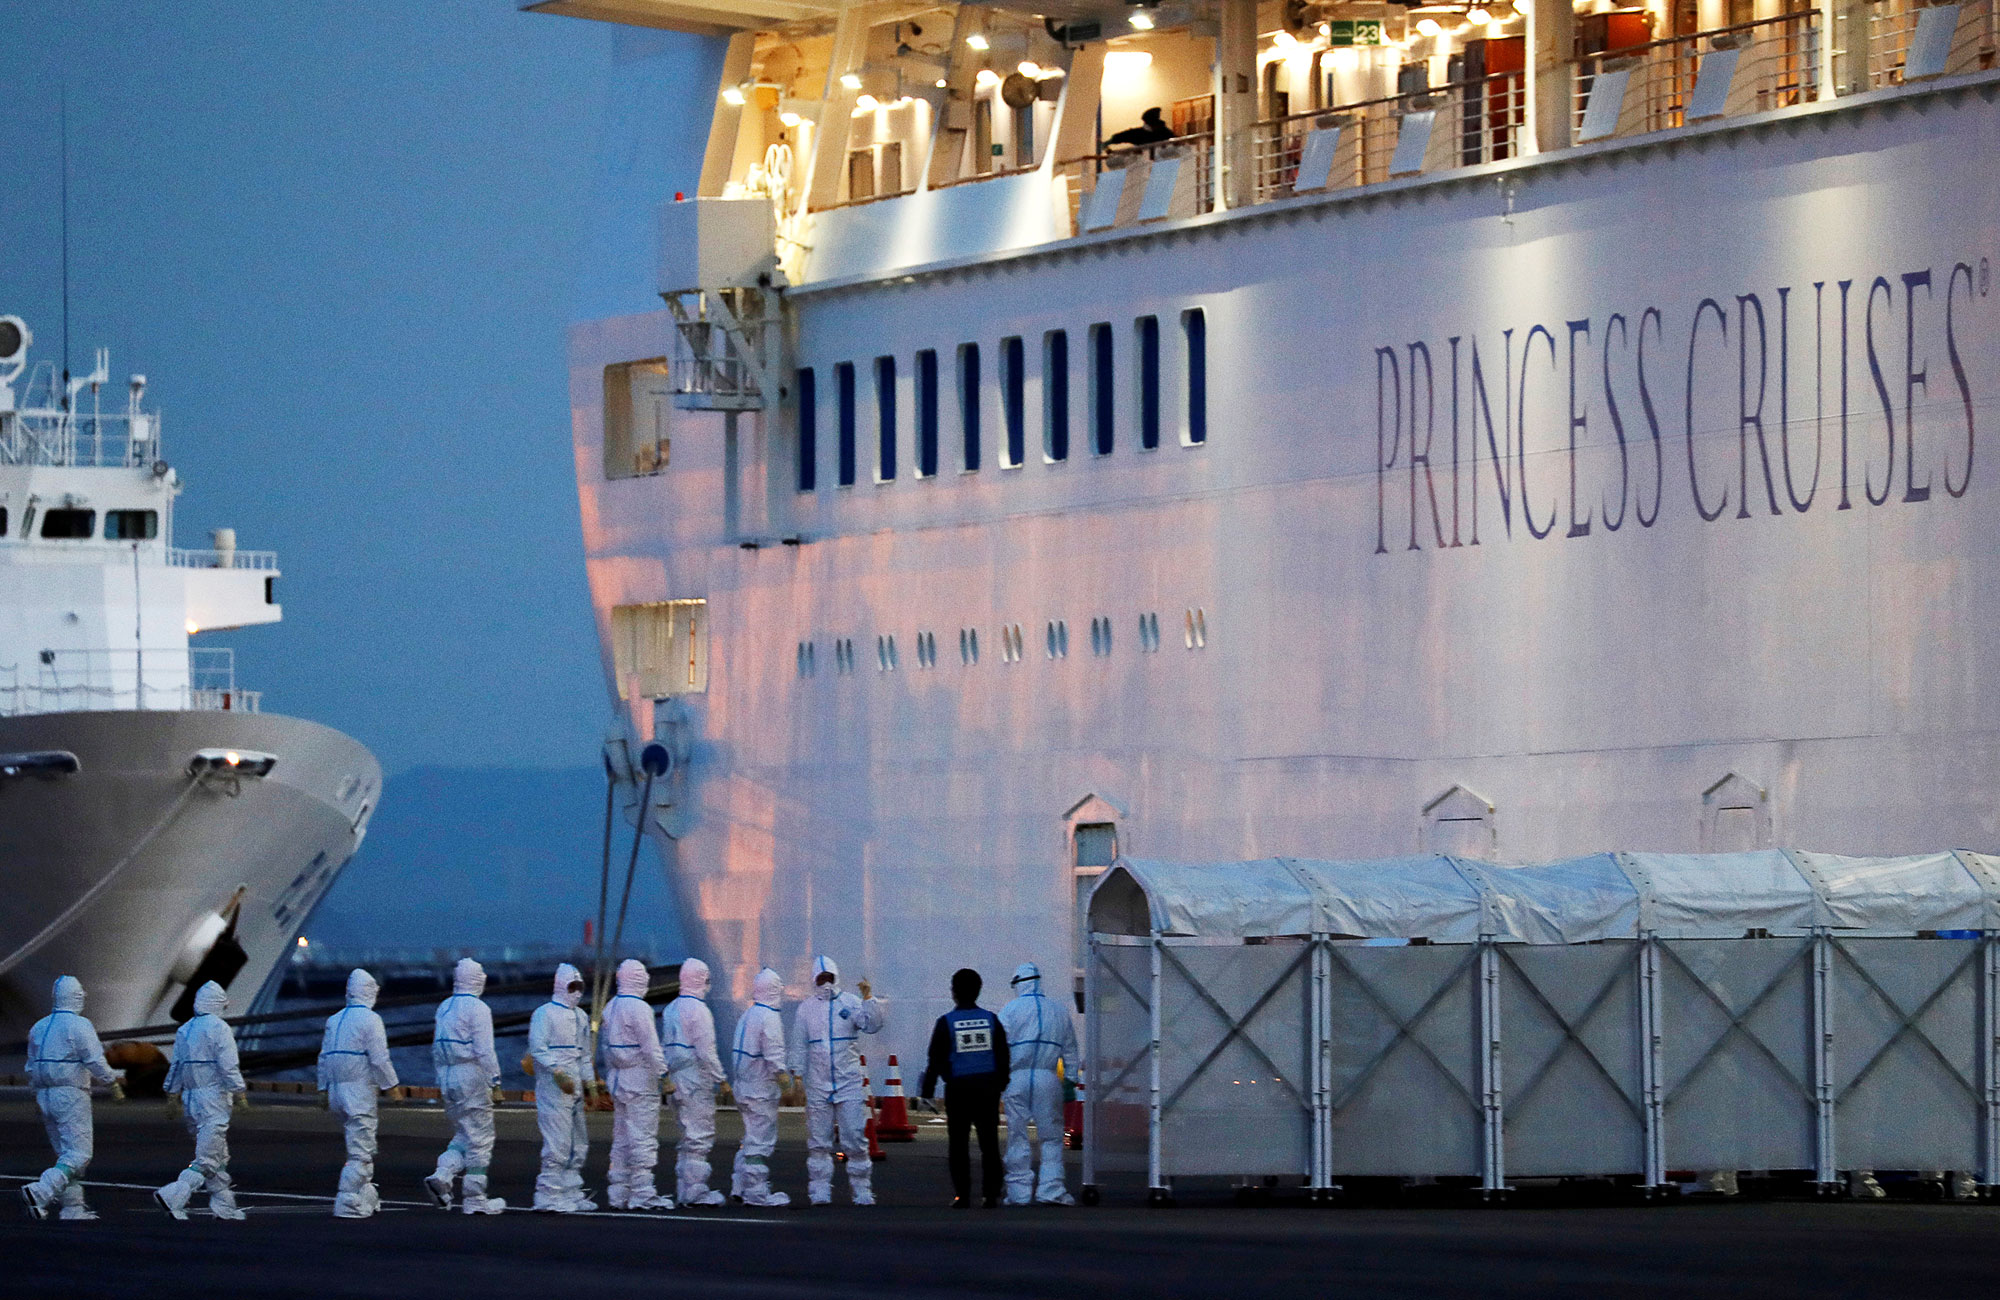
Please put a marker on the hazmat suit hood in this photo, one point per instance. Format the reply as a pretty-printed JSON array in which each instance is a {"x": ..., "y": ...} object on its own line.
[
  {"x": 768, "y": 988},
  {"x": 361, "y": 988},
  {"x": 565, "y": 995},
  {"x": 828, "y": 991},
  {"x": 468, "y": 977},
  {"x": 68, "y": 994},
  {"x": 694, "y": 978},
  {"x": 1027, "y": 979},
  {"x": 633, "y": 978},
  {"x": 210, "y": 1000}
]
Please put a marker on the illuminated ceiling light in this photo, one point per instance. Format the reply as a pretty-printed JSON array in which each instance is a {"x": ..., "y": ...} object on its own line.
[
  {"x": 1428, "y": 27},
  {"x": 1345, "y": 58},
  {"x": 1029, "y": 68},
  {"x": 867, "y": 104},
  {"x": 192, "y": 629},
  {"x": 1141, "y": 21},
  {"x": 790, "y": 118},
  {"x": 1283, "y": 41},
  {"x": 988, "y": 77},
  {"x": 850, "y": 80},
  {"x": 733, "y": 97},
  {"x": 942, "y": 84},
  {"x": 1480, "y": 16},
  {"x": 978, "y": 41},
  {"x": 1326, "y": 29}
]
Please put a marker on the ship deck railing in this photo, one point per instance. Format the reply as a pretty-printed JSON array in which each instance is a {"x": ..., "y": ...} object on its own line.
[
  {"x": 184, "y": 558},
  {"x": 1778, "y": 66},
  {"x": 198, "y": 679},
  {"x": 78, "y": 439}
]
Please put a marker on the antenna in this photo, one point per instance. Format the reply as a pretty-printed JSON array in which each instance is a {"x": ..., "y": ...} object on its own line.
[{"x": 64, "y": 132}]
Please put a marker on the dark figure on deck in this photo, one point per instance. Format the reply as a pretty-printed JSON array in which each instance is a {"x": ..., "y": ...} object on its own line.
[
  {"x": 1152, "y": 129},
  {"x": 969, "y": 1052}
]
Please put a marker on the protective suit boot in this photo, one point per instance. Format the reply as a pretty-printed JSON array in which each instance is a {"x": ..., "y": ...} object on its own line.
[
  {"x": 438, "y": 1187},
  {"x": 650, "y": 1201},
  {"x": 73, "y": 1208},
  {"x": 1063, "y": 1198},
  {"x": 773, "y": 1200},
  {"x": 222, "y": 1199},
  {"x": 704, "y": 1196},
  {"x": 37, "y": 1198},
  {"x": 475, "y": 1199},
  {"x": 173, "y": 1198}
]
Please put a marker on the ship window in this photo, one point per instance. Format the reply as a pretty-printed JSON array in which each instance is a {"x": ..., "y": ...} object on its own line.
[
  {"x": 131, "y": 525},
  {"x": 1058, "y": 639},
  {"x": 927, "y": 414},
  {"x": 1196, "y": 633},
  {"x": 885, "y": 418},
  {"x": 3, "y": 521},
  {"x": 660, "y": 649},
  {"x": 861, "y": 175},
  {"x": 1055, "y": 395},
  {"x": 66, "y": 524},
  {"x": 808, "y": 417},
  {"x": 926, "y": 649},
  {"x": 1100, "y": 635},
  {"x": 806, "y": 657},
  {"x": 885, "y": 653},
  {"x": 1194, "y": 326},
  {"x": 638, "y": 396},
  {"x": 843, "y": 383},
  {"x": 1013, "y": 400},
  {"x": 1149, "y": 633},
  {"x": 1100, "y": 389},
  {"x": 968, "y": 646},
  {"x": 1146, "y": 340},
  {"x": 968, "y": 403}
]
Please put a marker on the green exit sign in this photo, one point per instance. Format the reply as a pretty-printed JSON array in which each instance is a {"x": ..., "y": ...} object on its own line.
[{"x": 1355, "y": 31}]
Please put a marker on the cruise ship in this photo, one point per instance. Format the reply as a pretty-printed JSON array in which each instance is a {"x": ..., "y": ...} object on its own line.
[
  {"x": 1507, "y": 429},
  {"x": 158, "y": 829}
]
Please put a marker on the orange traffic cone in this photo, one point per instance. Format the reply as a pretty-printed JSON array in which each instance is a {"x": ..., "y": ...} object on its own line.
[
  {"x": 892, "y": 1111},
  {"x": 875, "y": 1151}
]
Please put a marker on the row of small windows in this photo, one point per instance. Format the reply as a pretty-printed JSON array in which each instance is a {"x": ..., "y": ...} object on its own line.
[
  {"x": 1013, "y": 644},
  {"x": 73, "y": 524},
  {"x": 1100, "y": 405}
]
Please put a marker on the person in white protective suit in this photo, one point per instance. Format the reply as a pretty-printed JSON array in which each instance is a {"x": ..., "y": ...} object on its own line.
[
  {"x": 758, "y": 1059},
  {"x": 354, "y": 1068},
  {"x": 63, "y": 1057},
  {"x": 824, "y": 1050},
  {"x": 687, "y": 1033},
  {"x": 468, "y": 1076},
  {"x": 559, "y": 1042},
  {"x": 634, "y": 1066},
  {"x": 205, "y": 1076},
  {"x": 1039, "y": 1034}
]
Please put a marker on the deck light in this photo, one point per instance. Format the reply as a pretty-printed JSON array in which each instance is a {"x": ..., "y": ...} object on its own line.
[
  {"x": 978, "y": 41},
  {"x": 867, "y": 104},
  {"x": 1030, "y": 68},
  {"x": 1345, "y": 59},
  {"x": 850, "y": 80},
  {"x": 942, "y": 84},
  {"x": 1126, "y": 63},
  {"x": 1428, "y": 27},
  {"x": 1141, "y": 21},
  {"x": 790, "y": 118},
  {"x": 987, "y": 77},
  {"x": 1479, "y": 16},
  {"x": 733, "y": 96}
]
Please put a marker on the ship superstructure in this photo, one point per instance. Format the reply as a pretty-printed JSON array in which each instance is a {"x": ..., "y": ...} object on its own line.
[
  {"x": 157, "y": 828},
  {"x": 1508, "y": 430}
]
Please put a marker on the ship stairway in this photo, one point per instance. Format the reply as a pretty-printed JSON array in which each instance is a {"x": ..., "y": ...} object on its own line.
[{"x": 726, "y": 348}]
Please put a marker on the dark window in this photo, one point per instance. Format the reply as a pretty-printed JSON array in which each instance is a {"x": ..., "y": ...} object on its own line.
[
  {"x": 1147, "y": 330},
  {"x": 927, "y": 414},
  {"x": 885, "y": 418},
  {"x": 69, "y": 524},
  {"x": 1100, "y": 389},
  {"x": 968, "y": 401},
  {"x": 808, "y": 431},
  {"x": 3, "y": 521},
  {"x": 1013, "y": 400},
  {"x": 1194, "y": 324},
  {"x": 131, "y": 525},
  {"x": 1055, "y": 395},
  {"x": 843, "y": 383}
]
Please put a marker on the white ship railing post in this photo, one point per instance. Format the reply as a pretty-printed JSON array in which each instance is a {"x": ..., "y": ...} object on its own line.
[{"x": 1822, "y": 1049}]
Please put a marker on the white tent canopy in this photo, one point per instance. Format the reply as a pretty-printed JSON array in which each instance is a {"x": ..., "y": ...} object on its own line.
[{"x": 1604, "y": 896}]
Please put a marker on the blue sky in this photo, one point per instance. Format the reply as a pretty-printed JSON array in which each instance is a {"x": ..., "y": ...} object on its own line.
[{"x": 342, "y": 240}]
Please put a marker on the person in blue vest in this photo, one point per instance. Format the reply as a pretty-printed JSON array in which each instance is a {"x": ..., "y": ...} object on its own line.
[{"x": 969, "y": 1053}]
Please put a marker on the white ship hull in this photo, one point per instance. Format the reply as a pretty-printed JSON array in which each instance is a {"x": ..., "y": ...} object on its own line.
[
  {"x": 280, "y": 839},
  {"x": 1688, "y": 622}
]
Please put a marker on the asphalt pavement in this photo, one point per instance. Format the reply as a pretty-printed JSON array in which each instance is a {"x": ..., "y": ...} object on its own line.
[{"x": 286, "y": 1158}]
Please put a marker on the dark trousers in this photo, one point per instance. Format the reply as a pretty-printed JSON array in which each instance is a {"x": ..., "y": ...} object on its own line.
[{"x": 968, "y": 1104}]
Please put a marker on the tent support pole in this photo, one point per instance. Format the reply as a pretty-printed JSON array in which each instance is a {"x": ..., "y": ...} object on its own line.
[
  {"x": 1822, "y": 1050},
  {"x": 1989, "y": 1055},
  {"x": 1092, "y": 1021},
  {"x": 1493, "y": 1184},
  {"x": 1155, "y": 1183},
  {"x": 1649, "y": 1061},
  {"x": 1321, "y": 1040}
]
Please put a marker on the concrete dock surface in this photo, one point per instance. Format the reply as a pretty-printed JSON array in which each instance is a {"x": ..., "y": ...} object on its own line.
[{"x": 287, "y": 1156}]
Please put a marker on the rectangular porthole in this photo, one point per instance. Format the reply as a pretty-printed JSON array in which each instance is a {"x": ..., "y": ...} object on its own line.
[
  {"x": 807, "y": 416},
  {"x": 1194, "y": 330},
  {"x": 927, "y": 414},
  {"x": 1146, "y": 342},
  {"x": 968, "y": 404},
  {"x": 1013, "y": 401},
  {"x": 1101, "y": 405},
  {"x": 1055, "y": 396},
  {"x": 843, "y": 382},
  {"x": 885, "y": 419}
]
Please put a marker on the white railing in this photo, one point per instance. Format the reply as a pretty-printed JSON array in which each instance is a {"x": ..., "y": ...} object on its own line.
[
  {"x": 183, "y": 558},
  {"x": 1777, "y": 66},
  {"x": 202, "y": 679}
]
